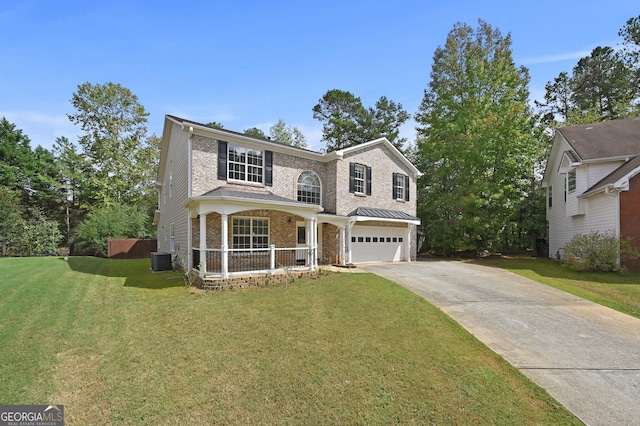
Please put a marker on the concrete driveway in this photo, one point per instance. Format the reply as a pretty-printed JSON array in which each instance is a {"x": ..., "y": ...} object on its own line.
[{"x": 585, "y": 355}]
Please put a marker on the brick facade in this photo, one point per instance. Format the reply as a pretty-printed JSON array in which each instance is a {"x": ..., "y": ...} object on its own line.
[{"x": 630, "y": 220}]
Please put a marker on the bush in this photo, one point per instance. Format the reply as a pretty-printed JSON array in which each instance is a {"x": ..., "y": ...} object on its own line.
[
  {"x": 115, "y": 221},
  {"x": 597, "y": 252}
]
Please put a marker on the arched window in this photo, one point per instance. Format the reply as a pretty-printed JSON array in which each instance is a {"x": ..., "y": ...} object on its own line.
[{"x": 309, "y": 188}]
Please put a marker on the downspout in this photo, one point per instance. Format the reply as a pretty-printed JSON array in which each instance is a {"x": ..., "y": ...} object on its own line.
[{"x": 611, "y": 190}]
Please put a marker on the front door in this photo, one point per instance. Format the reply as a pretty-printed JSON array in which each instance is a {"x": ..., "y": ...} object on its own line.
[{"x": 301, "y": 244}]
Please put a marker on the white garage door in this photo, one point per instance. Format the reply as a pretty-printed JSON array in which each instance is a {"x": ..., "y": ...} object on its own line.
[{"x": 376, "y": 244}]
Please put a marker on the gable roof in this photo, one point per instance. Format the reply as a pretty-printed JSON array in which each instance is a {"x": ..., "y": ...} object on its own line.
[
  {"x": 613, "y": 179},
  {"x": 603, "y": 140},
  {"x": 389, "y": 145}
]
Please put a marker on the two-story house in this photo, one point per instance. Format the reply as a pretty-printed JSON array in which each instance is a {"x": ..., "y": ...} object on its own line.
[
  {"x": 592, "y": 183},
  {"x": 234, "y": 204}
]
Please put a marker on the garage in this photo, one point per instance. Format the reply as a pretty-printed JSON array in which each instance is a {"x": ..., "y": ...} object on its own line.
[{"x": 377, "y": 244}]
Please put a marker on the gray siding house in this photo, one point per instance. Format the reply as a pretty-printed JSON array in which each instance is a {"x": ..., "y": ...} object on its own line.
[{"x": 231, "y": 204}]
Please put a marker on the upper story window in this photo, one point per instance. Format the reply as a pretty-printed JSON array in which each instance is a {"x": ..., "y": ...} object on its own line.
[
  {"x": 309, "y": 188},
  {"x": 359, "y": 178},
  {"x": 550, "y": 196},
  {"x": 244, "y": 164},
  {"x": 571, "y": 180},
  {"x": 400, "y": 184}
]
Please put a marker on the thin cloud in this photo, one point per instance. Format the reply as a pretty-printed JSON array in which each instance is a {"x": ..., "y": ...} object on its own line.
[{"x": 557, "y": 58}]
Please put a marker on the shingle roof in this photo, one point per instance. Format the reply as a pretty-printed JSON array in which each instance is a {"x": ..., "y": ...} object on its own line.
[
  {"x": 382, "y": 213},
  {"x": 614, "y": 176},
  {"x": 607, "y": 139},
  {"x": 231, "y": 132},
  {"x": 252, "y": 194}
]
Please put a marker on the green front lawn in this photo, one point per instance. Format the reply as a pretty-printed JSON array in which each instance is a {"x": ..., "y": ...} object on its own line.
[
  {"x": 117, "y": 344},
  {"x": 615, "y": 290}
]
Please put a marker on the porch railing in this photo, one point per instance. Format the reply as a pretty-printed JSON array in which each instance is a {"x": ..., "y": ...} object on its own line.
[{"x": 255, "y": 260}]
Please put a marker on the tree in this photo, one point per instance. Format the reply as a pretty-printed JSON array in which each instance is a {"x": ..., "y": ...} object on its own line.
[
  {"x": 557, "y": 100},
  {"x": 255, "y": 132},
  {"x": 288, "y": 135},
  {"x": 114, "y": 123},
  {"x": 116, "y": 221},
  {"x": 603, "y": 84},
  {"x": 476, "y": 141},
  {"x": 346, "y": 122},
  {"x": 214, "y": 125},
  {"x": 11, "y": 222}
]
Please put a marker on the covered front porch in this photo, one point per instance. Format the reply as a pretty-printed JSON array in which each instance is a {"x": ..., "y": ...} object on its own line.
[{"x": 239, "y": 232}]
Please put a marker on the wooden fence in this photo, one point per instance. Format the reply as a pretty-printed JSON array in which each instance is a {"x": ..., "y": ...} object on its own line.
[{"x": 131, "y": 248}]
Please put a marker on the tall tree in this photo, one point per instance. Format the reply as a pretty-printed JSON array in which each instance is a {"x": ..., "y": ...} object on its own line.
[
  {"x": 476, "y": 141},
  {"x": 346, "y": 122},
  {"x": 603, "y": 84},
  {"x": 557, "y": 100},
  {"x": 255, "y": 132},
  {"x": 288, "y": 135},
  {"x": 115, "y": 129}
]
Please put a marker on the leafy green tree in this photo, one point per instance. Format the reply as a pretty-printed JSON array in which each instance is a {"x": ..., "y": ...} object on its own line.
[
  {"x": 557, "y": 100},
  {"x": 476, "y": 142},
  {"x": 603, "y": 84},
  {"x": 11, "y": 221},
  {"x": 288, "y": 135},
  {"x": 115, "y": 221},
  {"x": 115, "y": 129},
  {"x": 214, "y": 125},
  {"x": 17, "y": 162},
  {"x": 346, "y": 122},
  {"x": 256, "y": 133}
]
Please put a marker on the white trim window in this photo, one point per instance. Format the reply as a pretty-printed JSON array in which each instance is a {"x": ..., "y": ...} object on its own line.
[
  {"x": 359, "y": 178},
  {"x": 309, "y": 188},
  {"x": 250, "y": 233},
  {"x": 245, "y": 164},
  {"x": 571, "y": 180}
]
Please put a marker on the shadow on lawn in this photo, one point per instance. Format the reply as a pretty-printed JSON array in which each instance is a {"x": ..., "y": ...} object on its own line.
[{"x": 137, "y": 272}]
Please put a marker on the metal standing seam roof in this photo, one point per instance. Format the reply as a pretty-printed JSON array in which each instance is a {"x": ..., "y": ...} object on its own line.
[{"x": 382, "y": 213}]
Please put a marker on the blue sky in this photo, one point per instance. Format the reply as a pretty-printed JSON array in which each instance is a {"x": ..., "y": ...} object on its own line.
[{"x": 249, "y": 63}]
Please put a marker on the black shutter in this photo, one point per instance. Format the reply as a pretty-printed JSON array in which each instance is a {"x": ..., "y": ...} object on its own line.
[
  {"x": 352, "y": 177},
  {"x": 406, "y": 188},
  {"x": 222, "y": 160},
  {"x": 368, "y": 180},
  {"x": 268, "y": 169},
  {"x": 393, "y": 185}
]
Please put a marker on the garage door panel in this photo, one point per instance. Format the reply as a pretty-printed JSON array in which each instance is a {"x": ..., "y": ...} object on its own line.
[{"x": 376, "y": 244}]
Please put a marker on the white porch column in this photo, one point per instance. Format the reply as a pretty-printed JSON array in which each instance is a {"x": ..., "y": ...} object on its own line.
[
  {"x": 203, "y": 245},
  {"x": 407, "y": 244},
  {"x": 342, "y": 245},
  {"x": 224, "y": 237},
  {"x": 349, "y": 226},
  {"x": 314, "y": 229},
  {"x": 309, "y": 238}
]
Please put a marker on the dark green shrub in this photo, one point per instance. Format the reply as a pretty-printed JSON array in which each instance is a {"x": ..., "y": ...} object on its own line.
[{"x": 597, "y": 252}]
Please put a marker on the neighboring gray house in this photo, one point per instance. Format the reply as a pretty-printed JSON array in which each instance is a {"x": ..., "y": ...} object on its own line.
[
  {"x": 231, "y": 203},
  {"x": 592, "y": 183}
]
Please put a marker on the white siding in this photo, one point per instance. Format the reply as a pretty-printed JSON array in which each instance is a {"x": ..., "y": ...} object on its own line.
[{"x": 577, "y": 216}]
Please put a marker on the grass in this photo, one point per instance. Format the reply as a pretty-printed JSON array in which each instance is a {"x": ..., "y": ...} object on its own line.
[
  {"x": 117, "y": 344},
  {"x": 618, "y": 291}
]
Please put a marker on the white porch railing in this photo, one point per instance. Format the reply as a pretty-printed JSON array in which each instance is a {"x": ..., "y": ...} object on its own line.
[{"x": 243, "y": 261}]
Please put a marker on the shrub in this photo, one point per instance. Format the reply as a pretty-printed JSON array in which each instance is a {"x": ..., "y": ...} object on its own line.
[
  {"x": 597, "y": 252},
  {"x": 116, "y": 221}
]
